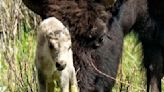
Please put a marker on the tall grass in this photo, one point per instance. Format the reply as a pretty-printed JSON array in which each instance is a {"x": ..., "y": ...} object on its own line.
[
  {"x": 131, "y": 77},
  {"x": 17, "y": 48}
]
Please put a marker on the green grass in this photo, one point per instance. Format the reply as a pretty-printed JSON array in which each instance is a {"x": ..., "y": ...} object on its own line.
[
  {"x": 17, "y": 61},
  {"x": 130, "y": 69},
  {"x": 17, "y": 47},
  {"x": 17, "y": 51}
]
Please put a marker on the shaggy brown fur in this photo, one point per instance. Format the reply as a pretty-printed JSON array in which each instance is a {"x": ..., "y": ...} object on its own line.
[{"x": 94, "y": 40}]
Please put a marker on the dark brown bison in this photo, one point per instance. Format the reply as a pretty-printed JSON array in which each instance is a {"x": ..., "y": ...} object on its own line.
[
  {"x": 147, "y": 18},
  {"x": 96, "y": 43}
]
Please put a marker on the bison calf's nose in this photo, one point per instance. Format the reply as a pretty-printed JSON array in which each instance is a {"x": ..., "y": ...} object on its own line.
[{"x": 60, "y": 65}]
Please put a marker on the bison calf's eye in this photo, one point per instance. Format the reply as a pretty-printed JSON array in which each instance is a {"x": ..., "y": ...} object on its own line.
[{"x": 50, "y": 45}]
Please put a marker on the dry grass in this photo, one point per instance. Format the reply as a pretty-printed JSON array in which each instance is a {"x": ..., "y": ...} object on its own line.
[{"x": 17, "y": 44}]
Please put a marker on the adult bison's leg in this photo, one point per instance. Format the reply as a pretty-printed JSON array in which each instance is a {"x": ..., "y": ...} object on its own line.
[
  {"x": 153, "y": 62},
  {"x": 153, "y": 82},
  {"x": 148, "y": 80}
]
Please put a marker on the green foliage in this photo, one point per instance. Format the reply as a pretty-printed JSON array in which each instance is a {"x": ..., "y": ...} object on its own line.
[
  {"x": 17, "y": 47},
  {"x": 130, "y": 77},
  {"x": 17, "y": 57},
  {"x": 17, "y": 73}
]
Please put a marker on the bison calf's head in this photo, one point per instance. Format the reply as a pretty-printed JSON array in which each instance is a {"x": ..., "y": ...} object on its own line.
[{"x": 57, "y": 42}]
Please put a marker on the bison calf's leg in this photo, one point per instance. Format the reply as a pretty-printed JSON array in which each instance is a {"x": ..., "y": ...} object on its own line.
[
  {"x": 68, "y": 80},
  {"x": 73, "y": 81},
  {"x": 50, "y": 86},
  {"x": 64, "y": 82},
  {"x": 42, "y": 82}
]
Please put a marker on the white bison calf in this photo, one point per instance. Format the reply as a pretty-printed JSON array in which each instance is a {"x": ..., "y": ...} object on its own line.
[{"x": 54, "y": 60}]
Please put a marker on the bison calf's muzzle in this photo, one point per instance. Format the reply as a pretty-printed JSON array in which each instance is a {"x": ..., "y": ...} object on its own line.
[{"x": 60, "y": 65}]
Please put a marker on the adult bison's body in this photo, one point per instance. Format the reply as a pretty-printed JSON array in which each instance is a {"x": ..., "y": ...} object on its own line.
[
  {"x": 147, "y": 18},
  {"x": 94, "y": 46}
]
